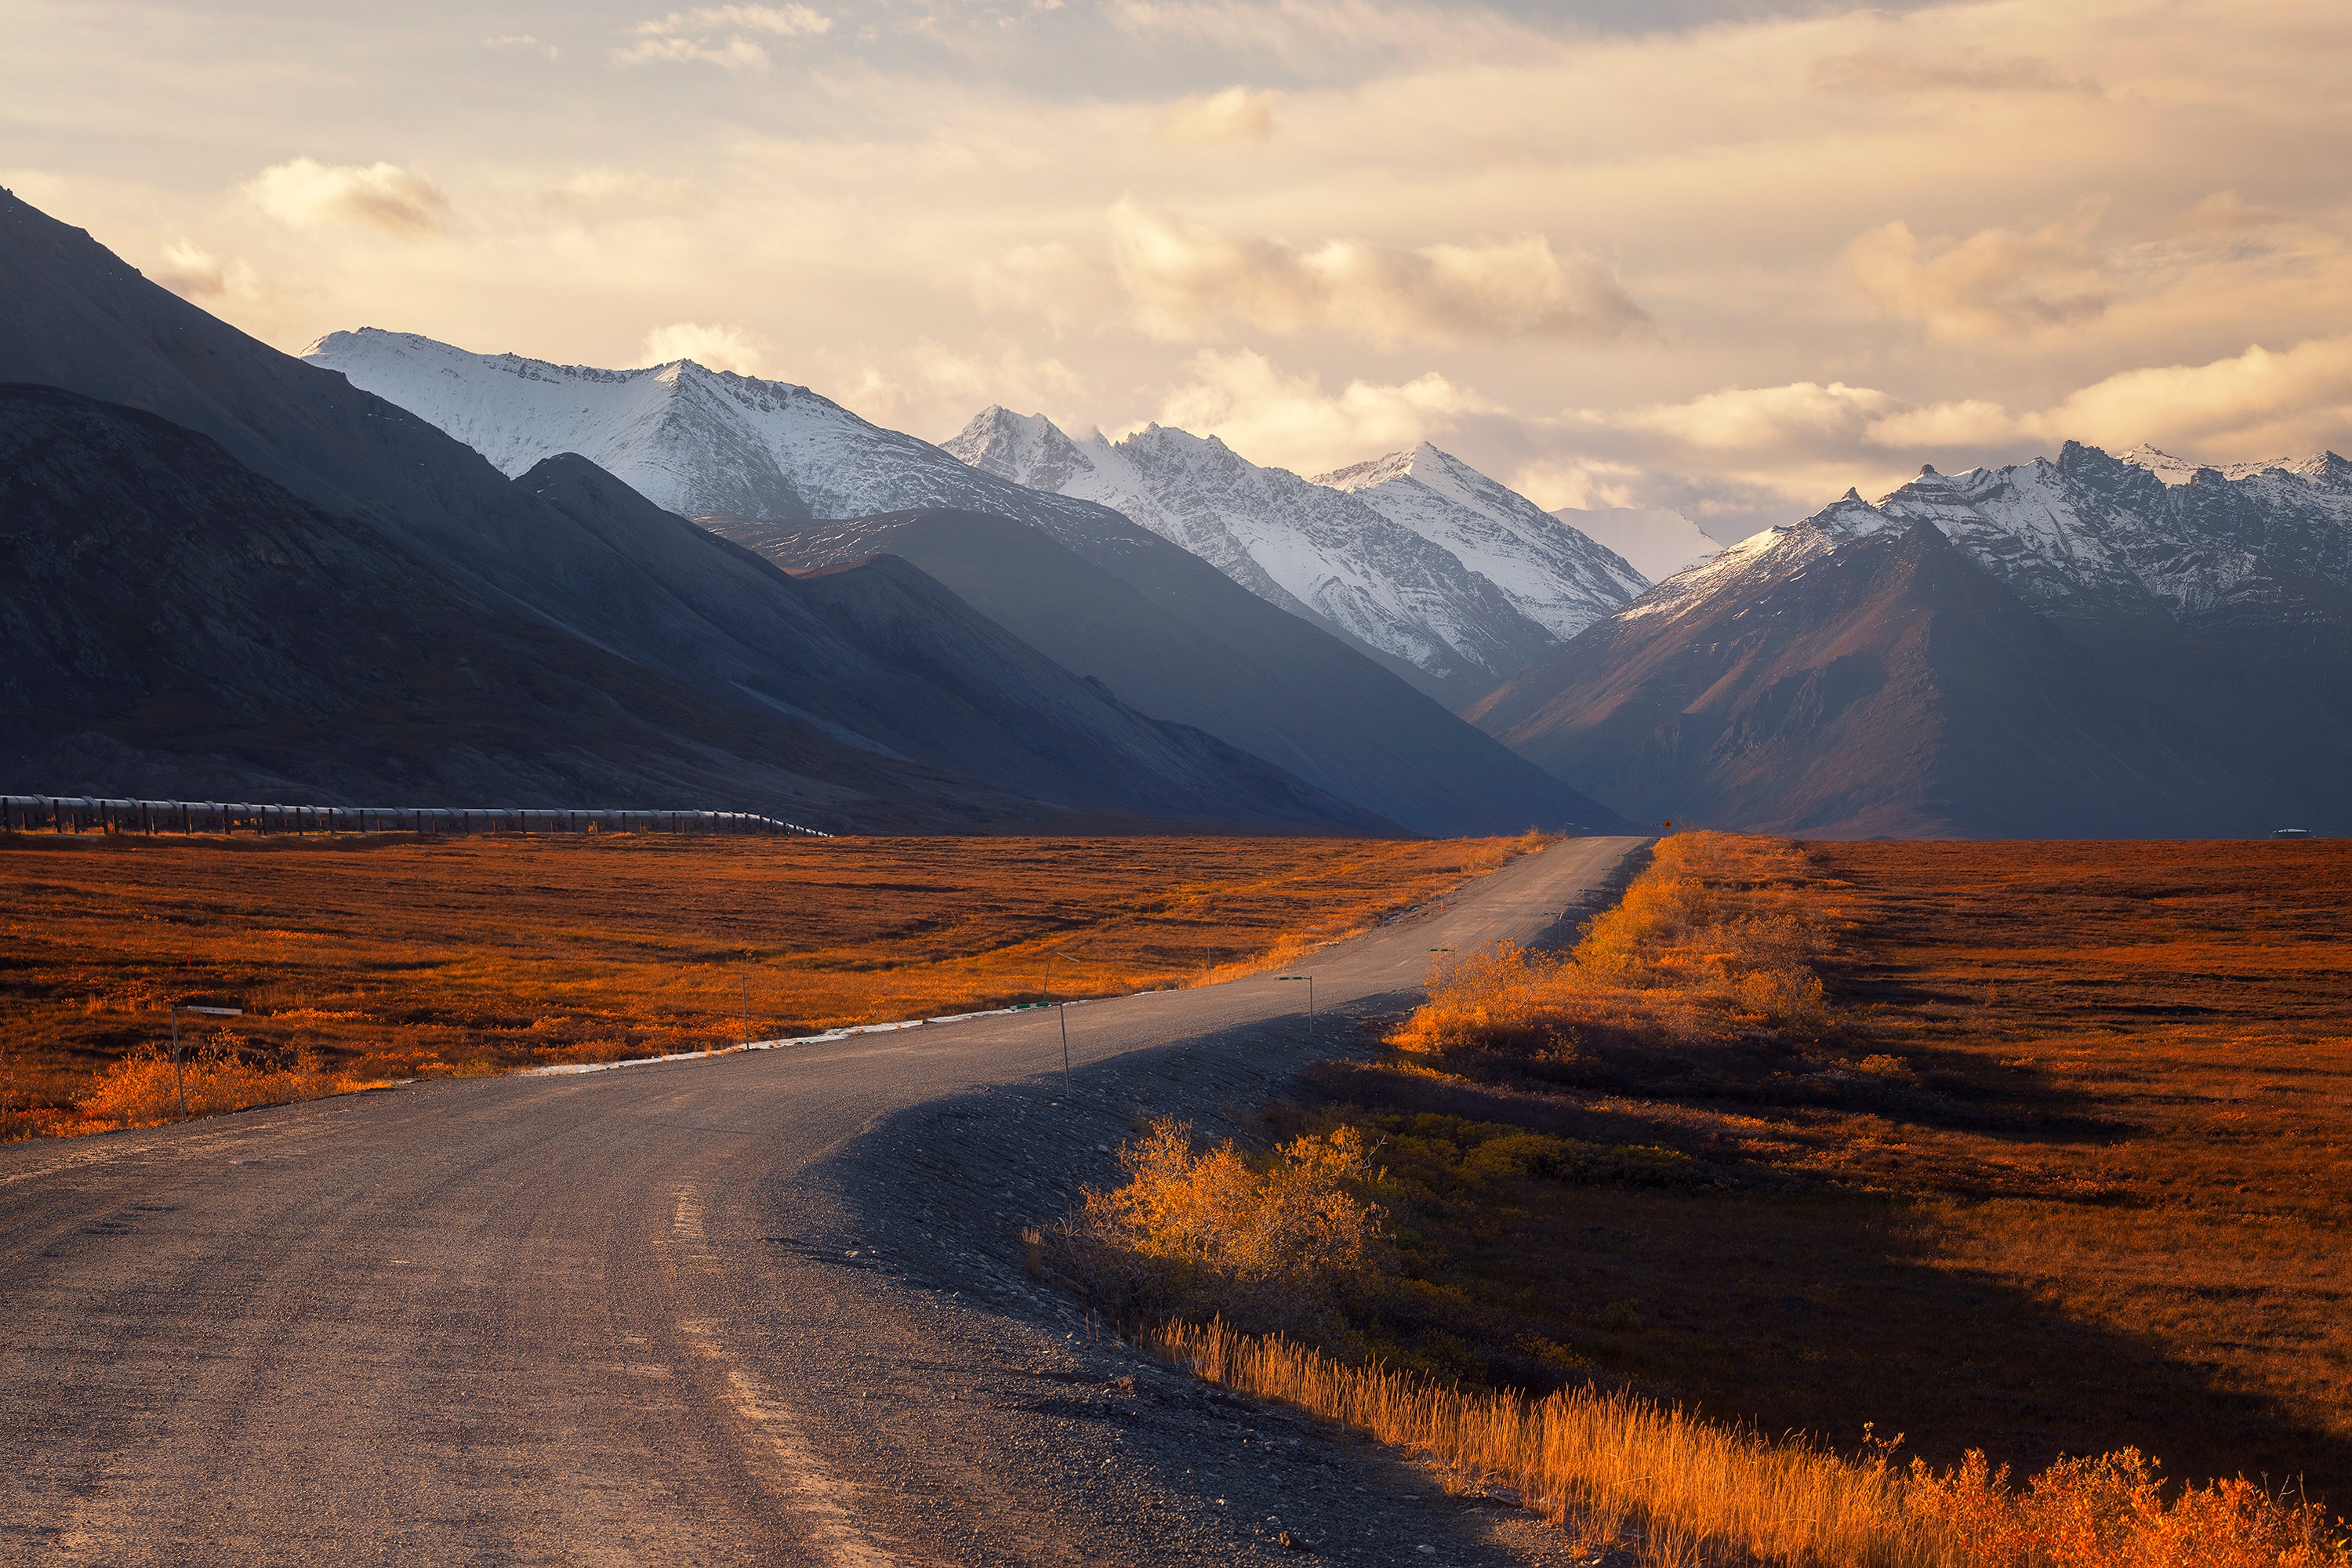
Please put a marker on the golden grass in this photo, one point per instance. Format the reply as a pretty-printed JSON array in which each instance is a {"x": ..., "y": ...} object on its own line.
[
  {"x": 147, "y": 1087},
  {"x": 2027, "y": 1151},
  {"x": 394, "y": 957},
  {"x": 1625, "y": 1473}
]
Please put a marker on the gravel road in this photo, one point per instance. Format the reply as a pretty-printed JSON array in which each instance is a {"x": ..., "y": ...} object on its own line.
[{"x": 758, "y": 1308}]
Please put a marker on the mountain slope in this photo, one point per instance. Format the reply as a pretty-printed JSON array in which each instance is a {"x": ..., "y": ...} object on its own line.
[
  {"x": 1405, "y": 585},
  {"x": 177, "y": 624},
  {"x": 2068, "y": 647},
  {"x": 1322, "y": 710},
  {"x": 928, "y": 678},
  {"x": 1173, "y": 636}
]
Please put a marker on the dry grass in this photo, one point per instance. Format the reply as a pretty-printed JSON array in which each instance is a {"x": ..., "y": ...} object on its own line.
[
  {"x": 2062, "y": 1167},
  {"x": 392, "y": 957},
  {"x": 1622, "y": 1472},
  {"x": 2025, "y": 1151}
]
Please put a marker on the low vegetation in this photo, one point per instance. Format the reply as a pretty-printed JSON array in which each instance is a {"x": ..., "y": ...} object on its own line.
[
  {"x": 1620, "y": 1471},
  {"x": 1781, "y": 1139},
  {"x": 369, "y": 959}
]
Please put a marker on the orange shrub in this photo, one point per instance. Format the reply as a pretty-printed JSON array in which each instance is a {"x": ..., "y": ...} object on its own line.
[
  {"x": 1215, "y": 1231},
  {"x": 145, "y": 1088}
]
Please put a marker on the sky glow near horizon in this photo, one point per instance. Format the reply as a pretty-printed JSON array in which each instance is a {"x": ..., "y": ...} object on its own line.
[{"x": 1729, "y": 258}]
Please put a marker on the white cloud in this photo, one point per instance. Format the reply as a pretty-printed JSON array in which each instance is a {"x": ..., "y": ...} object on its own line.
[
  {"x": 1587, "y": 484},
  {"x": 191, "y": 272},
  {"x": 1760, "y": 419},
  {"x": 1235, "y": 114},
  {"x": 718, "y": 35},
  {"x": 1182, "y": 279},
  {"x": 1289, "y": 421},
  {"x": 1996, "y": 281},
  {"x": 306, "y": 193},
  {"x": 718, "y": 346}
]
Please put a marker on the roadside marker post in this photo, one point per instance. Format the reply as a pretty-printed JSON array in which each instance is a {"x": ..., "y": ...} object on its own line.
[
  {"x": 1052, "y": 953},
  {"x": 1310, "y": 1005},
  {"x": 179, "y": 1080}
]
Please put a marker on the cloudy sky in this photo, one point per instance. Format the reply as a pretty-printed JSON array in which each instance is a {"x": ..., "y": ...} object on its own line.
[{"x": 1727, "y": 255}]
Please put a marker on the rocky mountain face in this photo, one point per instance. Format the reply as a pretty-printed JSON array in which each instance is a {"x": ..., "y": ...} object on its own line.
[
  {"x": 746, "y": 455},
  {"x": 2096, "y": 646},
  {"x": 1453, "y": 579}
]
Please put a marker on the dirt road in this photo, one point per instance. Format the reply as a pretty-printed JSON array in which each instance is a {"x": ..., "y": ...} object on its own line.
[{"x": 762, "y": 1308}]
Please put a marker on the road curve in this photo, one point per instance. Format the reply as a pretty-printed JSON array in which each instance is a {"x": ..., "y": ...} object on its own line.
[{"x": 634, "y": 1317}]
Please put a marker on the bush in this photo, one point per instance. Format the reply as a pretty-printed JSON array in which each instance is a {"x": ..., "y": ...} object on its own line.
[{"x": 1210, "y": 1231}]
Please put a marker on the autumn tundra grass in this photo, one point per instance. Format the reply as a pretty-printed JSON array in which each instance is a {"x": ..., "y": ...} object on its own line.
[
  {"x": 366, "y": 960},
  {"x": 2025, "y": 1152}
]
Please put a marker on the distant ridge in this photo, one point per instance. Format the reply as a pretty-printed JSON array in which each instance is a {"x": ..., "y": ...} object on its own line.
[{"x": 2088, "y": 647}]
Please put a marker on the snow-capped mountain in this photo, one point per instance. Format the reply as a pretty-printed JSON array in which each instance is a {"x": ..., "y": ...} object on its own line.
[
  {"x": 1654, "y": 540},
  {"x": 697, "y": 442},
  {"x": 2094, "y": 645},
  {"x": 1556, "y": 575},
  {"x": 1425, "y": 560},
  {"x": 745, "y": 453}
]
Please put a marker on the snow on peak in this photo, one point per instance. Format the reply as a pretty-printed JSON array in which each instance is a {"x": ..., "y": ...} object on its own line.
[
  {"x": 1555, "y": 575},
  {"x": 1378, "y": 554},
  {"x": 2179, "y": 471},
  {"x": 697, "y": 441},
  {"x": 2077, "y": 537}
]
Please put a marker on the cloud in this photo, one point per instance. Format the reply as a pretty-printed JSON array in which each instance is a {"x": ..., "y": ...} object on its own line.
[
  {"x": 1760, "y": 419},
  {"x": 521, "y": 41},
  {"x": 1585, "y": 483},
  {"x": 1289, "y": 421},
  {"x": 1996, "y": 281},
  {"x": 1180, "y": 279},
  {"x": 190, "y": 272},
  {"x": 1235, "y": 114},
  {"x": 601, "y": 189},
  {"x": 1960, "y": 69},
  {"x": 697, "y": 34},
  {"x": 2223, "y": 213},
  {"x": 718, "y": 346},
  {"x": 306, "y": 193}
]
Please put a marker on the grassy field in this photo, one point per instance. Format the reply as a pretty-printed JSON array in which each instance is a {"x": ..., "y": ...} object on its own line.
[
  {"x": 2038, "y": 1149},
  {"x": 362, "y": 959}
]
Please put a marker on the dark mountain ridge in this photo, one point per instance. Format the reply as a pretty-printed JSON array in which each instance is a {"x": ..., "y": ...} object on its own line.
[{"x": 1171, "y": 635}]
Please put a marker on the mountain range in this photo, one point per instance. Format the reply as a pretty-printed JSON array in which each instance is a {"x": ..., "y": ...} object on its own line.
[
  {"x": 1429, "y": 567},
  {"x": 1339, "y": 713},
  {"x": 547, "y": 638},
  {"x": 1453, "y": 578},
  {"x": 2097, "y": 645}
]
